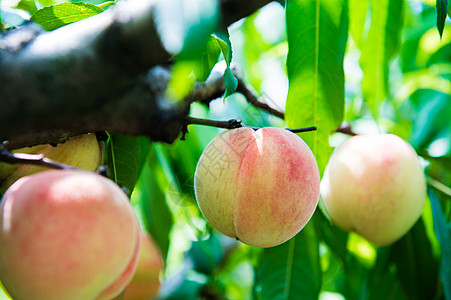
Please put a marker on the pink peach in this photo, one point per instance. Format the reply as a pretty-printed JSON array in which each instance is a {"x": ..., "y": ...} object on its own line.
[
  {"x": 260, "y": 187},
  {"x": 65, "y": 235}
]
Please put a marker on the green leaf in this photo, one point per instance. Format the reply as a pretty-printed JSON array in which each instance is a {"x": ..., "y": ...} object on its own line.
[
  {"x": 333, "y": 236},
  {"x": 182, "y": 80},
  {"x": 442, "y": 8},
  {"x": 3, "y": 293},
  {"x": 183, "y": 286},
  {"x": 151, "y": 199},
  {"x": 417, "y": 269},
  {"x": 317, "y": 34},
  {"x": 382, "y": 282},
  {"x": 291, "y": 269},
  {"x": 27, "y": 5},
  {"x": 230, "y": 81},
  {"x": 355, "y": 277},
  {"x": 253, "y": 47},
  {"x": 381, "y": 44},
  {"x": 358, "y": 11},
  {"x": 443, "y": 231},
  {"x": 123, "y": 160},
  {"x": 206, "y": 255},
  {"x": 431, "y": 119},
  {"x": 182, "y": 158},
  {"x": 209, "y": 59},
  {"x": 58, "y": 15}
]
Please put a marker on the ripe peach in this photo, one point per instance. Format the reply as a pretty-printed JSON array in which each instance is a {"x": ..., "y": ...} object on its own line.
[
  {"x": 374, "y": 185},
  {"x": 260, "y": 187},
  {"x": 145, "y": 283},
  {"x": 82, "y": 152},
  {"x": 124, "y": 278},
  {"x": 65, "y": 235}
]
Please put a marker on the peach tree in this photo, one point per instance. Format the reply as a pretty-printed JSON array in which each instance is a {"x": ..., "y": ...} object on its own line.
[{"x": 158, "y": 80}]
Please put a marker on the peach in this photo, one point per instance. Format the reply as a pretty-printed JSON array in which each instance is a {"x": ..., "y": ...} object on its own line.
[
  {"x": 124, "y": 278},
  {"x": 374, "y": 185},
  {"x": 260, "y": 187},
  {"x": 7, "y": 169},
  {"x": 82, "y": 152},
  {"x": 66, "y": 235},
  {"x": 145, "y": 283}
]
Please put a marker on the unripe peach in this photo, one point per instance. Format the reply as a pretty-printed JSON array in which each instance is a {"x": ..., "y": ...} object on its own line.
[
  {"x": 7, "y": 169},
  {"x": 66, "y": 235},
  {"x": 374, "y": 185},
  {"x": 82, "y": 152},
  {"x": 145, "y": 283},
  {"x": 260, "y": 187}
]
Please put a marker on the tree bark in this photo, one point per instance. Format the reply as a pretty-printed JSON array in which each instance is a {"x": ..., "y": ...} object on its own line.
[{"x": 93, "y": 75}]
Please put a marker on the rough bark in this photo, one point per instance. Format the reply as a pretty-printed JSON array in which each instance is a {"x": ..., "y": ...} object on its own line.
[{"x": 93, "y": 76}]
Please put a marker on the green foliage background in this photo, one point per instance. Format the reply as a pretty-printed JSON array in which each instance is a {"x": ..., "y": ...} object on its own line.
[{"x": 379, "y": 65}]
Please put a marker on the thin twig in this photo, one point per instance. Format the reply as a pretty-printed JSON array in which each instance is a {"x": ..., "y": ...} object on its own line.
[
  {"x": 253, "y": 100},
  {"x": 294, "y": 130},
  {"x": 230, "y": 124},
  {"x": 31, "y": 159},
  {"x": 306, "y": 129}
]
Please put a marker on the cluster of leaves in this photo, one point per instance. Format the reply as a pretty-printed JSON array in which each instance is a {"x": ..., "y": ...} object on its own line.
[{"x": 397, "y": 68}]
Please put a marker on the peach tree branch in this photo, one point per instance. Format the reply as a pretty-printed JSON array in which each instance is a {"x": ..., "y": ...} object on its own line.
[
  {"x": 255, "y": 101},
  {"x": 92, "y": 76}
]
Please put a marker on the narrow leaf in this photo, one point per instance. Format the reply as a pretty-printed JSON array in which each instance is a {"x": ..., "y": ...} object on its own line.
[
  {"x": 443, "y": 232},
  {"x": 123, "y": 159},
  {"x": 4, "y": 294},
  {"x": 382, "y": 283},
  {"x": 253, "y": 47},
  {"x": 335, "y": 238},
  {"x": 58, "y": 15},
  {"x": 27, "y": 5},
  {"x": 230, "y": 81},
  {"x": 209, "y": 59},
  {"x": 291, "y": 270},
  {"x": 416, "y": 265},
  {"x": 380, "y": 46},
  {"x": 358, "y": 11},
  {"x": 150, "y": 196},
  {"x": 317, "y": 34},
  {"x": 442, "y": 8}
]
